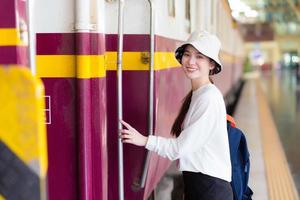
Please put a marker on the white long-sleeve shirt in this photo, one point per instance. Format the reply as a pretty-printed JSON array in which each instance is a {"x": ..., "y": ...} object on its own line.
[{"x": 203, "y": 143}]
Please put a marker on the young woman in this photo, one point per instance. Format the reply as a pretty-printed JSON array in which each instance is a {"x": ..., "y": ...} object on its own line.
[{"x": 201, "y": 142}]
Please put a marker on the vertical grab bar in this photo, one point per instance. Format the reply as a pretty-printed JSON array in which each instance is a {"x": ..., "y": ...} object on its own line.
[
  {"x": 151, "y": 92},
  {"x": 119, "y": 89},
  {"x": 31, "y": 36}
]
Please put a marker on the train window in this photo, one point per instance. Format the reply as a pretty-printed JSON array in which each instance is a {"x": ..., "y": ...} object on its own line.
[
  {"x": 171, "y": 8},
  {"x": 219, "y": 17},
  {"x": 188, "y": 10},
  {"x": 188, "y": 15},
  {"x": 212, "y": 7}
]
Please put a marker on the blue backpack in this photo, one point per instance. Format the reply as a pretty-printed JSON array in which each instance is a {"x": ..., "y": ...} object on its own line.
[{"x": 240, "y": 162}]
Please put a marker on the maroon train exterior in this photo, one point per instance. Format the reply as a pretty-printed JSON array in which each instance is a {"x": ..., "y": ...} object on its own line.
[{"x": 78, "y": 69}]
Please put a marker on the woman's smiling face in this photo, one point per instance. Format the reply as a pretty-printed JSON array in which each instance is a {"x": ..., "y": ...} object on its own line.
[{"x": 195, "y": 65}]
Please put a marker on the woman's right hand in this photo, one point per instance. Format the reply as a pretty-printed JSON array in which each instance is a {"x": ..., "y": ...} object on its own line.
[{"x": 132, "y": 136}]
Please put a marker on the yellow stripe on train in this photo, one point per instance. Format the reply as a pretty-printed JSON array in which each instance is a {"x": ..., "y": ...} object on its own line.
[
  {"x": 88, "y": 66},
  {"x": 91, "y": 66},
  {"x": 140, "y": 61},
  {"x": 13, "y": 37},
  {"x": 130, "y": 61},
  {"x": 55, "y": 66}
]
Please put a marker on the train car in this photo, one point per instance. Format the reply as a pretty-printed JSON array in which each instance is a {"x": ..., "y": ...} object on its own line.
[{"x": 101, "y": 60}]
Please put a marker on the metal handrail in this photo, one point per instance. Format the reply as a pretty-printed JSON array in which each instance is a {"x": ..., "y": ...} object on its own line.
[
  {"x": 151, "y": 92},
  {"x": 31, "y": 37},
  {"x": 119, "y": 89}
]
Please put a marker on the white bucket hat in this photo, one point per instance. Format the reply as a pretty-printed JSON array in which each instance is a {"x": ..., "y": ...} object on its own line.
[{"x": 207, "y": 44}]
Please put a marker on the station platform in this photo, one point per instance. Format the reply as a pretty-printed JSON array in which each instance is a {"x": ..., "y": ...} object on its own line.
[{"x": 270, "y": 175}]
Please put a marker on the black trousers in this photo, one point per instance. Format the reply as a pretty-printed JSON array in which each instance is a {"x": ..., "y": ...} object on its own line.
[{"x": 199, "y": 186}]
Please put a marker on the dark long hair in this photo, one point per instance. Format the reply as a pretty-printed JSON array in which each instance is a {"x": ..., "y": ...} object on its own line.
[{"x": 177, "y": 125}]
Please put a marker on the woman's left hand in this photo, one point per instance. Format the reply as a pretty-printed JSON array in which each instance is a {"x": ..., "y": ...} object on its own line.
[{"x": 132, "y": 136}]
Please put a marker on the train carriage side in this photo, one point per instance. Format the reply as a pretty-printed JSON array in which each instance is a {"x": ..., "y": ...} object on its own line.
[{"x": 70, "y": 61}]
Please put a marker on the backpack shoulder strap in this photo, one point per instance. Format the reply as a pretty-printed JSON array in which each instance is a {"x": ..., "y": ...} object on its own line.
[
  {"x": 244, "y": 148},
  {"x": 231, "y": 120}
]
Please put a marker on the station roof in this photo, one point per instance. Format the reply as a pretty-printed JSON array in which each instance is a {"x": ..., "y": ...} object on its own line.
[{"x": 266, "y": 18}]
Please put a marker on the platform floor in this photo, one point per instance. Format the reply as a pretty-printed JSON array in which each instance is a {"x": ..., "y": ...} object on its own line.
[
  {"x": 270, "y": 176},
  {"x": 246, "y": 116},
  {"x": 282, "y": 89}
]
